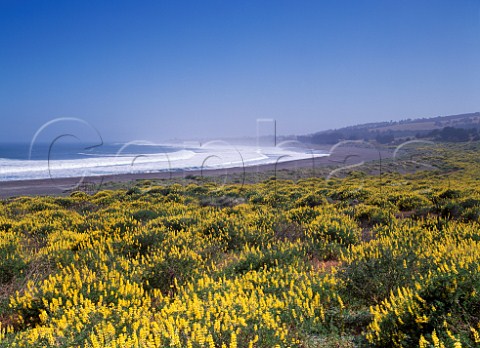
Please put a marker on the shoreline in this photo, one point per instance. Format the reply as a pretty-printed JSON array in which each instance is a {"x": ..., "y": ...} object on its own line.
[{"x": 63, "y": 186}]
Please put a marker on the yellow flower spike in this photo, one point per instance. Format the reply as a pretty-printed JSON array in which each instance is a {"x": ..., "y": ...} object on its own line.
[
  {"x": 423, "y": 343},
  {"x": 233, "y": 340},
  {"x": 475, "y": 334},
  {"x": 436, "y": 341},
  {"x": 211, "y": 343}
]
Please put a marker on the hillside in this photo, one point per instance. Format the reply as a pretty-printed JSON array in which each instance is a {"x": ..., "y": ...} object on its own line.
[{"x": 387, "y": 132}]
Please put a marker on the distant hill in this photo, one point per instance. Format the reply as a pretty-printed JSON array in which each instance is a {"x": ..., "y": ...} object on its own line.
[{"x": 461, "y": 127}]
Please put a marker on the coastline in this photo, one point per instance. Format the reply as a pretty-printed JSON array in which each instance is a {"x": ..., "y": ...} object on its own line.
[{"x": 62, "y": 186}]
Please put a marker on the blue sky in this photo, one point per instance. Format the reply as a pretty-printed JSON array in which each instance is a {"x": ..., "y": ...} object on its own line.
[{"x": 157, "y": 70}]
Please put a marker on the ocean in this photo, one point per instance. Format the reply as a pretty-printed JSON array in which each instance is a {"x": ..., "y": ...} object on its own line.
[{"x": 42, "y": 161}]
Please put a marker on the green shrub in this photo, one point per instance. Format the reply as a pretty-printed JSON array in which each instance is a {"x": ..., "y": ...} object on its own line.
[
  {"x": 411, "y": 202},
  {"x": 144, "y": 215},
  {"x": 336, "y": 228},
  {"x": 11, "y": 262}
]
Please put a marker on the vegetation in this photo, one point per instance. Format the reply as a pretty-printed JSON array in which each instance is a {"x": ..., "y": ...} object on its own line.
[
  {"x": 452, "y": 134},
  {"x": 359, "y": 261},
  {"x": 454, "y": 128}
]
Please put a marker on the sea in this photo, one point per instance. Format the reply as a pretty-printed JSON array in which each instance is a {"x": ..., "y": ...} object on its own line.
[{"x": 25, "y": 161}]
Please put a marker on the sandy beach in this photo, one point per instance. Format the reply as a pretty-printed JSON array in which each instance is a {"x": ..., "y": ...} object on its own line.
[{"x": 63, "y": 186}]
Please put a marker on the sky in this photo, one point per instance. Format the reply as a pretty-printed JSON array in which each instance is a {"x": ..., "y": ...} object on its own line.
[{"x": 161, "y": 70}]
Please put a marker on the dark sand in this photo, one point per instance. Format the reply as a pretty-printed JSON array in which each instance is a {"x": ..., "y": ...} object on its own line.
[{"x": 62, "y": 186}]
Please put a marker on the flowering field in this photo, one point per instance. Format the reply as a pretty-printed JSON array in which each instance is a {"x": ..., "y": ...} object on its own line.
[{"x": 361, "y": 261}]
